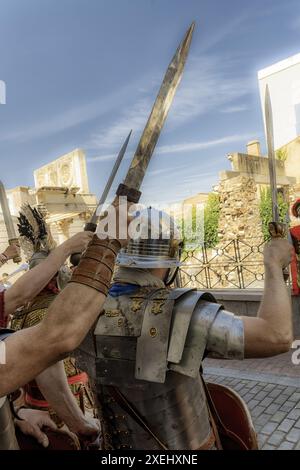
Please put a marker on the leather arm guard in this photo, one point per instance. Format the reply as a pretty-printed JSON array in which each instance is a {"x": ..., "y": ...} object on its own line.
[{"x": 97, "y": 264}]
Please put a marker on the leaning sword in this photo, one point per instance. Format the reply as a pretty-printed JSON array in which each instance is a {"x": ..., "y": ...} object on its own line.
[
  {"x": 92, "y": 224},
  {"x": 140, "y": 161},
  {"x": 145, "y": 148},
  {"x": 11, "y": 233},
  {"x": 276, "y": 228}
]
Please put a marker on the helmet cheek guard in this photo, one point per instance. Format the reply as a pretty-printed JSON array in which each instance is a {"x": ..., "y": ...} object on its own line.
[{"x": 156, "y": 245}]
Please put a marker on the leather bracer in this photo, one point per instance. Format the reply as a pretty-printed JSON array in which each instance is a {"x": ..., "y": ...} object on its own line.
[{"x": 97, "y": 264}]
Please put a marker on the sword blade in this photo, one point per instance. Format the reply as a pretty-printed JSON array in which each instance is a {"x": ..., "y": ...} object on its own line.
[
  {"x": 11, "y": 233},
  {"x": 271, "y": 154},
  {"x": 111, "y": 178},
  {"x": 158, "y": 114}
]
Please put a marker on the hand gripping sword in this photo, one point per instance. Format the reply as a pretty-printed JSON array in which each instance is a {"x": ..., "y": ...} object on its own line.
[
  {"x": 11, "y": 233},
  {"x": 91, "y": 226},
  {"x": 276, "y": 228}
]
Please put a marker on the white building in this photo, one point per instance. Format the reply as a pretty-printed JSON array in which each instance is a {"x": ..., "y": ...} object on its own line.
[{"x": 283, "y": 79}]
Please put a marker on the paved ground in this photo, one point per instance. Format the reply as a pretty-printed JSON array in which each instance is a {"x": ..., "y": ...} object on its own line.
[{"x": 271, "y": 388}]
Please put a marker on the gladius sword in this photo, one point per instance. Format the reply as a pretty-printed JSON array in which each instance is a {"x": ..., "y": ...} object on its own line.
[
  {"x": 277, "y": 229},
  {"x": 140, "y": 161},
  {"x": 147, "y": 143},
  {"x": 11, "y": 233}
]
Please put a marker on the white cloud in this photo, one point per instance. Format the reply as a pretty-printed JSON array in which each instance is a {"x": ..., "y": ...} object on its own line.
[
  {"x": 102, "y": 158},
  {"x": 184, "y": 188},
  {"x": 134, "y": 118},
  {"x": 183, "y": 147},
  {"x": 207, "y": 85},
  {"x": 68, "y": 118},
  {"x": 234, "y": 109},
  {"x": 193, "y": 146},
  {"x": 226, "y": 29}
]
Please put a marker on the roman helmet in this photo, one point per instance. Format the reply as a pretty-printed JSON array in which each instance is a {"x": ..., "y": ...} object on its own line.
[
  {"x": 37, "y": 242},
  {"x": 155, "y": 243}
]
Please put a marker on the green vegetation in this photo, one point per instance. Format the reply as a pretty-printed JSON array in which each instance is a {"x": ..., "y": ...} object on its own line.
[
  {"x": 204, "y": 224},
  {"x": 281, "y": 154},
  {"x": 265, "y": 209},
  {"x": 211, "y": 220}
]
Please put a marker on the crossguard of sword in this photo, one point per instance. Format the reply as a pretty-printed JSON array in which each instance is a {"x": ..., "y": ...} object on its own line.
[{"x": 279, "y": 230}]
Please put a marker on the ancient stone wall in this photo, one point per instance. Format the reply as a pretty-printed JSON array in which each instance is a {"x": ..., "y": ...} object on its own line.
[
  {"x": 239, "y": 209},
  {"x": 237, "y": 260},
  {"x": 240, "y": 234}
]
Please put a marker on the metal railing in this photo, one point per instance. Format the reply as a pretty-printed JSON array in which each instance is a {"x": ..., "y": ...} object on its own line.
[{"x": 232, "y": 264}]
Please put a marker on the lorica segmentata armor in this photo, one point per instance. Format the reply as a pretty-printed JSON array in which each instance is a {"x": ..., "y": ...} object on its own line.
[{"x": 149, "y": 346}]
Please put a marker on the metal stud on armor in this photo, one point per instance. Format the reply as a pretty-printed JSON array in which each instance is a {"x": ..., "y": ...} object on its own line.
[{"x": 146, "y": 352}]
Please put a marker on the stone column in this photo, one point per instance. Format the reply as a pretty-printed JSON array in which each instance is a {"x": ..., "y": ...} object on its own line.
[{"x": 63, "y": 229}]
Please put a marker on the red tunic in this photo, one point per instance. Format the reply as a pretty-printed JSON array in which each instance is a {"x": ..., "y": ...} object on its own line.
[
  {"x": 295, "y": 267},
  {"x": 3, "y": 318}
]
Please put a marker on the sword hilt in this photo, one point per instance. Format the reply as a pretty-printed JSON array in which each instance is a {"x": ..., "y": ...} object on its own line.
[
  {"x": 75, "y": 257},
  {"x": 279, "y": 230},
  {"x": 133, "y": 195},
  {"x": 15, "y": 241}
]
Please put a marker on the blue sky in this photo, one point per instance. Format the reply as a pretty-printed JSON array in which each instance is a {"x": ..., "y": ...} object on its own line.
[{"x": 83, "y": 73}]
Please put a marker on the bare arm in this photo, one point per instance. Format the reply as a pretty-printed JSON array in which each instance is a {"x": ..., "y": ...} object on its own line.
[
  {"x": 31, "y": 283},
  {"x": 69, "y": 317},
  {"x": 30, "y": 351},
  {"x": 271, "y": 332},
  {"x": 10, "y": 252},
  {"x": 54, "y": 386}
]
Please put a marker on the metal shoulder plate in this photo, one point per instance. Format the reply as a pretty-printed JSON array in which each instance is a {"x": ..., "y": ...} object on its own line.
[
  {"x": 164, "y": 338},
  {"x": 156, "y": 330},
  {"x": 193, "y": 316}
]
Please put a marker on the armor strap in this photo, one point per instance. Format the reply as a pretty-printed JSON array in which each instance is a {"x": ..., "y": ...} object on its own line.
[
  {"x": 134, "y": 414},
  {"x": 97, "y": 263}
]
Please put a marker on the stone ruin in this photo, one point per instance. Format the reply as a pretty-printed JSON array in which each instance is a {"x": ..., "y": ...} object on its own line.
[
  {"x": 240, "y": 247},
  {"x": 237, "y": 260},
  {"x": 239, "y": 210}
]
